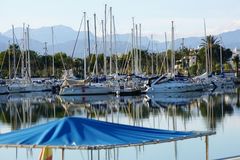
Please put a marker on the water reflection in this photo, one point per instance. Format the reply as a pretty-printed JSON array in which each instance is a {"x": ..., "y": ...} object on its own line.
[
  {"x": 25, "y": 109},
  {"x": 166, "y": 111},
  {"x": 22, "y": 110}
]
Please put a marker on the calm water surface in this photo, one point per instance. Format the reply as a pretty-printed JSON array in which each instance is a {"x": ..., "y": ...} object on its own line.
[{"x": 217, "y": 111}]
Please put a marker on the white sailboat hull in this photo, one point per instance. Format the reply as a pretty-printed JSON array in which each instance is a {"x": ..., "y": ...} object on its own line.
[
  {"x": 175, "y": 86},
  {"x": 85, "y": 90},
  {"x": 21, "y": 88},
  {"x": 4, "y": 89}
]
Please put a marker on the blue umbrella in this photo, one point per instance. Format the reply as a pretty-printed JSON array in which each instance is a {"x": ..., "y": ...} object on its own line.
[{"x": 82, "y": 133}]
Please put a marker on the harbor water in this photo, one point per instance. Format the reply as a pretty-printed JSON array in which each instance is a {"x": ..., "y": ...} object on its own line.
[{"x": 199, "y": 111}]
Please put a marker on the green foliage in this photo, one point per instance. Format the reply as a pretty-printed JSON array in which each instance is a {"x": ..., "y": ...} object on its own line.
[
  {"x": 236, "y": 61},
  {"x": 193, "y": 70},
  {"x": 41, "y": 65}
]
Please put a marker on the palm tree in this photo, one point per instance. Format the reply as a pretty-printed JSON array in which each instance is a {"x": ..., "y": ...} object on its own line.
[
  {"x": 236, "y": 61},
  {"x": 210, "y": 41}
]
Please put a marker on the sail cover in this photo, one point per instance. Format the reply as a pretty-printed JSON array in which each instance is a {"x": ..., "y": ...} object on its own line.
[{"x": 82, "y": 133}]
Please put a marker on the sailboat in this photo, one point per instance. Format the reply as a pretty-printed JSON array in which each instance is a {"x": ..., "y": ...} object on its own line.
[
  {"x": 86, "y": 86},
  {"x": 219, "y": 81},
  {"x": 131, "y": 84},
  {"x": 171, "y": 83},
  {"x": 25, "y": 84},
  {"x": 3, "y": 87}
]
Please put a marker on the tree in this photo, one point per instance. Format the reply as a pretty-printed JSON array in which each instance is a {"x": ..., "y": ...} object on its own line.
[
  {"x": 210, "y": 41},
  {"x": 236, "y": 61}
]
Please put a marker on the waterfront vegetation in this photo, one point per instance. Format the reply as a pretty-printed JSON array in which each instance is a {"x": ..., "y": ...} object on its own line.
[{"x": 41, "y": 65}]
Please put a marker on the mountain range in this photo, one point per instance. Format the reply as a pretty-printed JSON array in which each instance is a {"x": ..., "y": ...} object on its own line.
[{"x": 65, "y": 38}]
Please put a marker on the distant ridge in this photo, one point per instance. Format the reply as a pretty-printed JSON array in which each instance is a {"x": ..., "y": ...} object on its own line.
[{"x": 65, "y": 36}]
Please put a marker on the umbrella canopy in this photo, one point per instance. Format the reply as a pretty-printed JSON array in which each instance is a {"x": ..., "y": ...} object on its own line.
[{"x": 82, "y": 133}]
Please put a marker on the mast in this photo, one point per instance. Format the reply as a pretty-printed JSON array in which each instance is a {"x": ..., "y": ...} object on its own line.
[
  {"x": 9, "y": 61},
  {"x": 140, "y": 47},
  {"x": 26, "y": 56},
  {"x": 132, "y": 52},
  {"x": 221, "y": 65},
  {"x": 206, "y": 47},
  {"x": 110, "y": 69},
  {"x": 221, "y": 59},
  {"x": 45, "y": 54},
  {"x": 173, "y": 54},
  {"x": 166, "y": 47},
  {"x": 152, "y": 53},
  {"x": 88, "y": 31},
  {"x": 136, "y": 50},
  {"x": 210, "y": 56},
  {"x": 133, "y": 46},
  {"x": 104, "y": 41},
  {"x": 28, "y": 52},
  {"x": 14, "y": 53},
  {"x": 96, "y": 51},
  {"x": 156, "y": 59},
  {"x": 88, "y": 49},
  {"x": 22, "y": 53},
  {"x": 115, "y": 46},
  {"x": 85, "y": 47},
  {"x": 53, "y": 68}
]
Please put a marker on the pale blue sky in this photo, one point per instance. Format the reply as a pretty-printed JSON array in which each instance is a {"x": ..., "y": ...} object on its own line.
[{"x": 155, "y": 15}]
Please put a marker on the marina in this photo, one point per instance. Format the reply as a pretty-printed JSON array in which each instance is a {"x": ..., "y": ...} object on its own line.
[{"x": 115, "y": 80}]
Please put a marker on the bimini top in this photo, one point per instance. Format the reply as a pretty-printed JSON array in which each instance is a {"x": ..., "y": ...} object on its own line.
[{"x": 82, "y": 133}]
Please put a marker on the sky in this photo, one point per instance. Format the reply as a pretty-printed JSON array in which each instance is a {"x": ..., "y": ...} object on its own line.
[{"x": 155, "y": 16}]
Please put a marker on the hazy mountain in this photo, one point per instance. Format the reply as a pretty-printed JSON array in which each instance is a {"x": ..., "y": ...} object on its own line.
[
  {"x": 65, "y": 37},
  {"x": 3, "y": 42},
  {"x": 44, "y": 34},
  {"x": 231, "y": 39}
]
